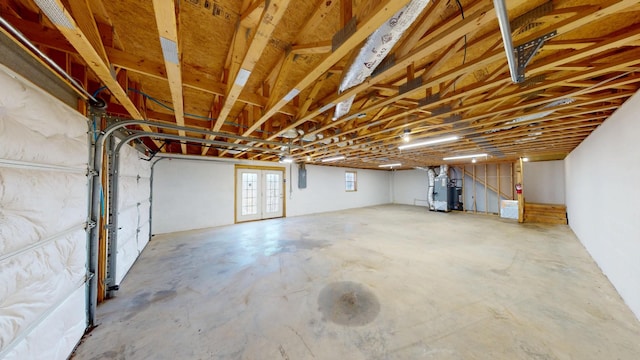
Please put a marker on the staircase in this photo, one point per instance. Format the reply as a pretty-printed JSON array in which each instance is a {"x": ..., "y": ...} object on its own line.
[{"x": 545, "y": 213}]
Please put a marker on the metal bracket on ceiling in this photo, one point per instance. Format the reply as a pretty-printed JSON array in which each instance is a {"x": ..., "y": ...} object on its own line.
[
  {"x": 343, "y": 34},
  {"x": 525, "y": 52},
  {"x": 410, "y": 85},
  {"x": 429, "y": 100}
]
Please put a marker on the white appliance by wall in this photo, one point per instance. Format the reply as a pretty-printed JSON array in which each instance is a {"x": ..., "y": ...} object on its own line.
[
  {"x": 43, "y": 212},
  {"x": 602, "y": 198}
]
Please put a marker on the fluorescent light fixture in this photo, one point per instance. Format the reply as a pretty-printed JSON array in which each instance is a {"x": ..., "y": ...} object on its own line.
[
  {"x": 464, "y": 157},
  {"x": 335, "y": 158},
  {"x": 390, "y": 165},
  {"x": 293, "y": 93},
  {"x": 525, "y": 159},
  {"x": 428, "y": 142},
  {"x": 243, "y": 76}
]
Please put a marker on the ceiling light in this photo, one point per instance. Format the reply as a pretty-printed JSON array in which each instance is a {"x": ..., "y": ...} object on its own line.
[
  {"x": 286, "y": 159},
  {"x": 405, "y": 135},
  {"x": 525, "y": 159},
  {"x": 428, "y": 142},
  {"x": 290, "y": 134},
  {"x": 464, "y": 157},
  {"x": 335, "y": 158},
  {"x": 308, "y": 158},
  {"x": 309, "y": 137},
  {"x": 390, "y": 165},
  {"x": 474, "y": 160}
]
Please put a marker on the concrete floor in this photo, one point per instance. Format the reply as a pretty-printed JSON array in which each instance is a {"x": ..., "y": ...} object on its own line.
[{"x": 385, "y": 282}]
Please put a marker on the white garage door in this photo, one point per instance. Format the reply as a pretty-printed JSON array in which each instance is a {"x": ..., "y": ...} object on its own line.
[
  {"x": 43, "y": 210},
  {"x": 134, "y": 184}
]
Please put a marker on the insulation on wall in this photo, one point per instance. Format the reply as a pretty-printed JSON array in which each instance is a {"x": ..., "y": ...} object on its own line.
[
  {"x": 43, "y": 211},
  {"x": 134, "y": 186}
]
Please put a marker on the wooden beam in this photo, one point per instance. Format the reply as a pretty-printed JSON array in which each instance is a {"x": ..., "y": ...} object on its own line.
[
  {"x": 446, "y": 33},
  {"x": 81, "y": 10},
  {"x": 379, "y": 16},
  {"x": 346, "y": 12},
  {"x": 320, "y": 47},
  {"x": 245, "y": 64},
  {"x": 312, "y": 96},
  {"x": 192, "y": 77},
  {"x": 165, "y": 12},
  {"x": 70, "y": 30}
]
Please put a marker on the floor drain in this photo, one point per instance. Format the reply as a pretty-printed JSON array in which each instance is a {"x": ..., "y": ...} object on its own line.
[{"x": 348, "y": 303}]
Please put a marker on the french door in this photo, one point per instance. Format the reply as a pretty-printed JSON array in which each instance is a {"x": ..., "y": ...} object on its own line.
[{"x": 259, "y": 194}]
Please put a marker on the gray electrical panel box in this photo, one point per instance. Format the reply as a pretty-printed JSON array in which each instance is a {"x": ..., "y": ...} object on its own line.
[{"x": 302, "y": 177}]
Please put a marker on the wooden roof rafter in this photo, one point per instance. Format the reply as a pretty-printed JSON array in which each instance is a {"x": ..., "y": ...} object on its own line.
[
  {"x": 68, "y": 27},
  {"x": 165, "y": 13}
]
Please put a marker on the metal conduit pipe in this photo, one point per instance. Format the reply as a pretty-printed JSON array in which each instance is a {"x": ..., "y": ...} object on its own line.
[
  {"x": 29, "y": 45},
  {"x": 97, "y": 185},
  {"x": 505, "y": 30}
]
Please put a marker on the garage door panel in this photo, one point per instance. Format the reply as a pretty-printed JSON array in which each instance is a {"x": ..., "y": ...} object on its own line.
[
  {"x": 34, "y": 281},
  {"x": 133, "y": 209},
  {"x": 43, "y": 211},
  {"x": 21, "y": 143},
  {"x": 37, "y": 204},
  {"x": 132, "y": 191},
  {"x": 57, "y": 335}
]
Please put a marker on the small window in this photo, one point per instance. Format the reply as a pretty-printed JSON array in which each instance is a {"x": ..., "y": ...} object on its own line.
[{"x": 350, "y": 181}]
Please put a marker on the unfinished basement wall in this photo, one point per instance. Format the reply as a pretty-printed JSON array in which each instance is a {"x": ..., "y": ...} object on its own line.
[
  {"x": 326, "y": 190},
  {"x": 481, "y": 184},
  {"x": 602, "y": 198},
  {"x": 196, "y": 194},
  {"x": 43, "y": 213},
  {"x": 410, "y": 187},
  {"x": 544, "y": 182}
]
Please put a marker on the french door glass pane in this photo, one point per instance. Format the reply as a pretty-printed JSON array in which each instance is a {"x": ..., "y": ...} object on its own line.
[
  {"x": 249, "y": 193},
  {"x": 272, "y": 196}
]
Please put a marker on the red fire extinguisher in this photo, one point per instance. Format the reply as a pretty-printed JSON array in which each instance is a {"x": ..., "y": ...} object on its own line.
[{"x": 518, "y": 188}]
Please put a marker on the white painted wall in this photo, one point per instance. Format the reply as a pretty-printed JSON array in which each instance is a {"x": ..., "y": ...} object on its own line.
[
  {"x": 602, "y": 198},
  {"x": 191, "y": 194},
  {"x": 195, "y": 194},
  {"x": 325, "y": 190},
  {"x": 544, "y": 182},
  {"x": 410, "y": 187}
]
